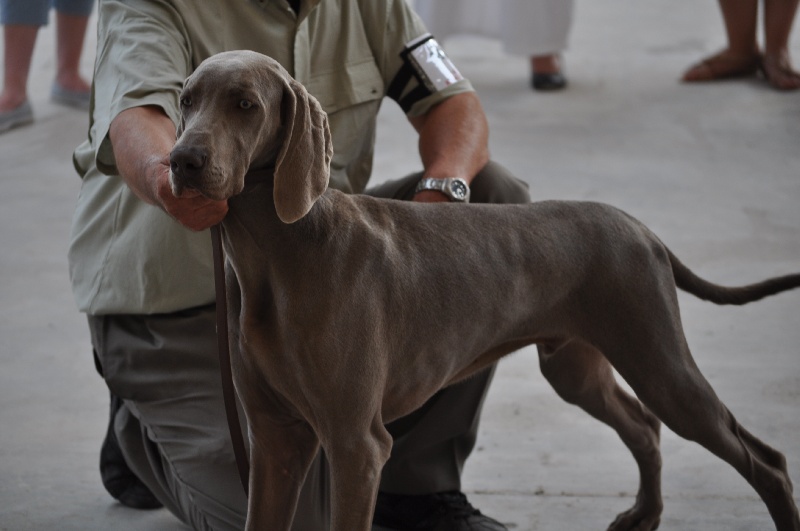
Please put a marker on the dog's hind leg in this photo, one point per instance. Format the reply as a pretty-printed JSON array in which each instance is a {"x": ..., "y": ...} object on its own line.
[
  {"x": 682, "y": 398},
  {"x": 583, "y": 377},
  {"x": 649, "y": 351}
]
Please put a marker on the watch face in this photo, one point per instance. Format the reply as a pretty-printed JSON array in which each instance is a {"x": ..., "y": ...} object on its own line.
[{"x": 459, "y": 190}]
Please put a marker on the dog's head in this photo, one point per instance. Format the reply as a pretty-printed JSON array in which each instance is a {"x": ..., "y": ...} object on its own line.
[{"x": 241, "y": 110}]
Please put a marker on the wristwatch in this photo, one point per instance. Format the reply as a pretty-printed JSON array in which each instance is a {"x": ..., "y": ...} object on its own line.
[{"x": 455, "y": 188}]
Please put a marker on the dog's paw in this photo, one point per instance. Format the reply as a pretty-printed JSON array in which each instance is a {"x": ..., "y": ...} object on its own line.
[{"x": 637, "y": 518}]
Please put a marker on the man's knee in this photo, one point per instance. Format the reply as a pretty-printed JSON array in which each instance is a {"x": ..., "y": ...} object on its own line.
[{"x": 495, "y": 184}]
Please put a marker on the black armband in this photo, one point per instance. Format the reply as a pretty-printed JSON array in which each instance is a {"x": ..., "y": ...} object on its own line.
[{"x": 426, "y": 69}]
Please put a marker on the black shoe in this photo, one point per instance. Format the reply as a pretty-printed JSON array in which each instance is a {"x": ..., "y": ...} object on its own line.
[
  {"x": 545, "y": 82},
  {"x": 118, "y": 479},
  {"x": 443, "y": 511}
]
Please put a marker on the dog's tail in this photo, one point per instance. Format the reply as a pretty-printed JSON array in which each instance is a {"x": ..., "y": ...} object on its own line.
[{"x": 686, "y": 280}]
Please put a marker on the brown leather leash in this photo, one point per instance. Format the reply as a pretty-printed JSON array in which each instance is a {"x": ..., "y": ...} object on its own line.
[{"x": 228, "y": 391}]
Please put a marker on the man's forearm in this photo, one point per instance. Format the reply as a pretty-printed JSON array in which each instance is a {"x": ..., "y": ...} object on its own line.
[
  {"x": 142, "y": 138},
  {"x": 453, "y": 138}
]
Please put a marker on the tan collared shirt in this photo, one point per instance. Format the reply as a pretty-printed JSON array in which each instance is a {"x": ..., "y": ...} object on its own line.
[{"x": 130, "y": 257}]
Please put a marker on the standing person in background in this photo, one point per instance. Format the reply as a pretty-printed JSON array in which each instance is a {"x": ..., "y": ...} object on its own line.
[
  {"x": 21, "y": 20},
  {"x": 742, "y": 57},
  {"x": 535, "y": 28}
]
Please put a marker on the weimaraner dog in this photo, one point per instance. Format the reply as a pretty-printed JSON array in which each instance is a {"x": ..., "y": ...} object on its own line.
[{"x": 347, "y": 312}]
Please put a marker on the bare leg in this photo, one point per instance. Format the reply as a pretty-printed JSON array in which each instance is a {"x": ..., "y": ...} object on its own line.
[
  {"x": 18, "y": 43},
  {"x": 740, "y": 17},
  {"x": 582, "y": 376},
  {"x": 545, "y": 64},
  {"x": 71, "y": 31},
  {"x": 740, "y": 58},
  {"x": 778, "y": 19}
]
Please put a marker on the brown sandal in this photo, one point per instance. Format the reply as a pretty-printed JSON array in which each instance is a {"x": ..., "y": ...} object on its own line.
[
  {"x": 778, "y": 71},
  {"x": 723, "y": 65}
]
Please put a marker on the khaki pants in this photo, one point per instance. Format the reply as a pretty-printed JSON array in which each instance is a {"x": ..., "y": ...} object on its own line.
[{"x": 173, "y": 431}]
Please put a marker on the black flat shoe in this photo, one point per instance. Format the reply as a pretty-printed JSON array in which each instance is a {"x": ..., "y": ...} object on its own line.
[
  {"x": 118, "y": 479},
  {"x": 545, "y": 82},
  {"x": 443, "y": 511}
]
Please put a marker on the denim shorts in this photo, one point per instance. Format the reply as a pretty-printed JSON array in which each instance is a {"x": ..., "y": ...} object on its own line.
[{"x": 35, "y": 12}]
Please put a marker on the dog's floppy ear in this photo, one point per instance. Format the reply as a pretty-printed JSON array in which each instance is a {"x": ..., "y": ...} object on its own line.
[{"x": 302, "y": 169}]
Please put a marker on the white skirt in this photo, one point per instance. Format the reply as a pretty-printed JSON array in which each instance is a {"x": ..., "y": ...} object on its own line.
[{"x": 525, "y": 27}]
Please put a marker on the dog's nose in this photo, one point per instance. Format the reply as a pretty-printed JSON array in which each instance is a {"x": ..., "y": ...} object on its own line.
[{"x": 187, "y": 161}]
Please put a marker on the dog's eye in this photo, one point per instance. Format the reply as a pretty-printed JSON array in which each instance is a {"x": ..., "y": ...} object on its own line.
[
  {"x": 186, "y": 101},
  {"x": 245, "y": 104}
]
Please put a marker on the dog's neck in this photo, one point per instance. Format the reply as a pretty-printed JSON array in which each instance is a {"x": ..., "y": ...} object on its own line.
[
  {"x": 253, "y": 211},
  {"x": 258, "y": 176}
]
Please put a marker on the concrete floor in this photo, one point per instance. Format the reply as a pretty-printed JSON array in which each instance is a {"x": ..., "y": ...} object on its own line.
[{"x": 713, "y": 169}]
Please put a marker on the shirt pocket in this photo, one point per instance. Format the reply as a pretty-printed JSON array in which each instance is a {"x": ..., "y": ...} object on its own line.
[
  {"x": 348, "y": 86},
  {"x": 351, "y": 96}
]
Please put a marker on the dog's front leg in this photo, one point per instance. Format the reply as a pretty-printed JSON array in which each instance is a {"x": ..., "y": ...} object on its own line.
[
  {"x": 280, "y": 456},
  {"x": 356, "y": 461}
]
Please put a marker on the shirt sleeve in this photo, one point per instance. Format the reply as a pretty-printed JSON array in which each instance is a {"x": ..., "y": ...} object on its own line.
[
  {"x": 143, "y": 57},
  {"x": 395, "y": 28}
]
